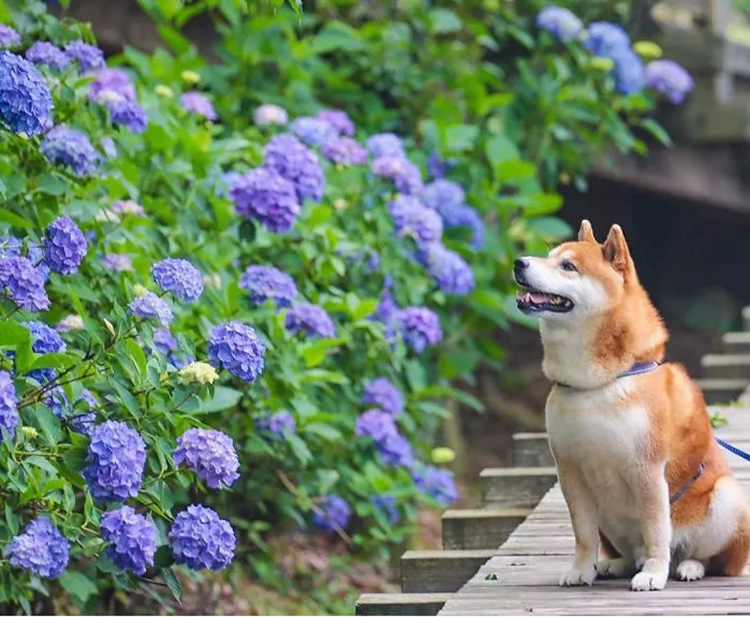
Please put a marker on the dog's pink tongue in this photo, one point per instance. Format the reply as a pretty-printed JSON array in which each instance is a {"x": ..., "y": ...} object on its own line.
[{"x": 537, "y": 298}]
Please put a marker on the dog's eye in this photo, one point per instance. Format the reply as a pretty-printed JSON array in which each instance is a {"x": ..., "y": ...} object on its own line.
[{"x": 568, "y": 266}]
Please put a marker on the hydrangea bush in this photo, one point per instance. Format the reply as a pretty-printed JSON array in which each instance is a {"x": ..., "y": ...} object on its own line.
[{"x": 222, "y": 318}]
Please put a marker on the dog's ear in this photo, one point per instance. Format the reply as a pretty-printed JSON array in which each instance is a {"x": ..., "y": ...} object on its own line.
[
  {"x": 616, "y": 251},
  {"x": 586, "y": 233}
]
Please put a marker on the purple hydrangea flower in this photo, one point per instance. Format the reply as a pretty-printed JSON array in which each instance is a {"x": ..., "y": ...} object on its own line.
[
  {"x": 9, "y": 37},
  {"x": 387, "y": 505},
  {"x": 43, "y": 338},
  {"x": 436, "y": 483},
  {"x": 88, "y": 57},
  {"x": 199, "y": 105},
  {"x": 44, "y": 52},
  {"x": 310, "y": 319},
  {"x": 127, "y": 206},
  {"x": 72, "y": 148},
  {"x": 267, "y": 114},
  {"x": 373, "y": 260},
  {"x": 405, "y": 175},
  {"x": 128, "y": 114},
  {"x": 443, "y": 195},
  {"x": 420, "y": 327},
  {"x": 312, "y": 131},
  {"x": 265, "y": 195},
  {"x": 179, "y": 277},
  {"x": 385, "y": 145},
  {"x": 210, "y": 454},
  {"x": 8, "y": 406},
  {"x": 112, "y": 80},
  {"x": 333, "y": 513},
  {"x": 387, "y": 309},
  {"x": 70, "y": 323},
  {"x": 382, "y": 393},
  {"x": 376, "y": 424},
  {"x": 131, "y": 537},
  {"x": 450, "y": 271},
  {"x": 40, "y": 549},
  {"x": 115, "y": 461},
  {"x": 108, "y": 147},
  {"x": 226, "y": 182},
  {"x": 200, "y": 539},
  {"x": 437, "y": 166},
  {"x": 119, "y": 262},
  {"x": 338, "y": 119},
  {"x": 291, "y": 159},
  {"x": 237, "y": 348},
  {"x": 10, "y": 247},
  {"x": 165, "y": 341},
  {"x": 64, "y": 246},
  {"x": 559, "y": 22},
  {"x": 267, "y": 283},
  {"x": 345, "y": 151},
  {"x": 411, "y": 218},
  {"x": 151, "y": 306},
  {"x": 55, "y": 399},
  {"x": 629, "y": 74},
  {"x": 279, "y": 424},
  {"x": 25, "y": 99},
  {"x": 605, "y": 39},
  {"x": 670, "y": 79},
  {"x": 23, "y": 283},
  {"x": 395, "y": 451},
  {"x": 466, "y": 216}
]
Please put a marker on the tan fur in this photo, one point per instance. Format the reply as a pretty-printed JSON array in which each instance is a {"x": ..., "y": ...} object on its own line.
[{"x": 662, "y": 413}]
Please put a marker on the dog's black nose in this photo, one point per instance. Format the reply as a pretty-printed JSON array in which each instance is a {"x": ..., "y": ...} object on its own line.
[{"x": 519, "y": 265}]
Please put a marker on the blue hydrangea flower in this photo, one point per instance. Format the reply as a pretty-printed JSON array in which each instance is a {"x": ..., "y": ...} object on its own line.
[
  {"x": 114, "y": 81},
  {"x": 420, "y": 327},
  {"x": 226, "y": 182},
  {"x": 128, "y": 114},
  {"x": 291, "y": 159},
  {"x": 443, "y": 195},
  {"x": 411, "y": 218},
  {"x": 387, "y": 505},
  {"x": 165, "y": 341},
  {"x": 40, "y": 549},
  {"x": 310, "y": 319},
  {"x": 265, "y": 195},
  {"x": 559, "y": 22},
  {"x": 115, "y": 461},
  {"x": 55, "y": 398},
  {"x": 23, "y": 283},
  {"x": 210, "y": 454},
  {"x": 382, "y": 393},
  {"x": 131, "y": 537},
  {"x": 199, "y": 105},
  {"x": 466, "y": 216},
  {"x": 278, "y": 425},
  {"x": 267, "y": 283},
  {"x": 670, "y": 79},
  {"x": 8, "y": 404},
  {"x": 405, "y": 175},
  {"x": 437, "y": 166},
  {"x": 395, "y": 451},
  {"x": 345, "y": 151},
  {"x": 89, "y": 58},
  {"x": 268, "y": 114},
  {"x": 373, "y": 260},
  {"x": 64, "y": 246},
  {"x": 151, "y": 306},
  {"x": 450, "y": 271},
  {"x": 629, "y": 74},
  {"x": 312, "y": 131},
  {"x": 44, "y": 52},
  {"x": 605, "y": 39},
  {"x": 179, "y": 277},
  {"x": 237, "y": 348},
  {"x": 10, "y": 247},
  {"x": 338, "y": 119},
  {"x": 9, "y": 37},
  {"x": 387, "y": 309},
  {"x": 376, "y": 424},
  {"x": 108, "y": 147},
  {"x": 25, "y": 99},
  {"x": 83, "y": 423},
  {"x": 436, "y": 483},
  {"x": 44, "y": 339},
  {"x": 333, "y": 512},
  {"x": 385, "y": 145},
  {"x": 72, "y": 148},
  {"x": 200, "y": 539},
  {"x": 118, "y": 262}
]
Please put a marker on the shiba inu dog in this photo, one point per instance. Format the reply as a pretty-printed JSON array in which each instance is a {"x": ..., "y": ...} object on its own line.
[{"x": 642, "y": 475}]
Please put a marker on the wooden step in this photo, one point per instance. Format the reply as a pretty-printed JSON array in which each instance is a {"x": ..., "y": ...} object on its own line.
[
  {"x": 515, "y": 487},
  {"x": 440, "y": 571},
  {"x": 736, "y": 342},
  {"x": 477, "y": 529},
  {"x": 726, "y": 366},
  {"x": 401, "y": 603},
  {"x": 722, "y": 390},
  {"x": 532, "y": 450},
  {"x": 746, "y": 319}
]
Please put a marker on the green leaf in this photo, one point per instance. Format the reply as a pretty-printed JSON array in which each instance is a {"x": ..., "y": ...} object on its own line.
[
  {"x": 77, "y": 584},
  {"x": 223, "y": 398},
  {"x": 444, "y": 21},
  {"x": 171, "y": 582},
  {"x": 335, "y": 35},
  {"x": 456, "y": 363},
  {"x": 514, "y": 170},
  {"x": 657, "y": 131},
  {"x": 500, "y": 148},
  {"x": 299, "y": 448},
  {"x": 461, "y": 137},
  {"x": 14, "y": 219},
  {"x": 137, "y": 355},
  {"x": 550, "y": 228},
  {"x": 323, "y": 430},
  {"x": 52, "y": 184}
]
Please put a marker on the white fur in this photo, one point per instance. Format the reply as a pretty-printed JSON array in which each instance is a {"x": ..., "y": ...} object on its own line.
[
  {"x": 563, "y": 341},
  {"x": 691, "y": 570}
]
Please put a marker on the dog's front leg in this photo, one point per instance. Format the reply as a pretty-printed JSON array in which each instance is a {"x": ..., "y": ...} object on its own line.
[
  {"x": 584, "y": 518},
  {"x": 652, "y": 494}
]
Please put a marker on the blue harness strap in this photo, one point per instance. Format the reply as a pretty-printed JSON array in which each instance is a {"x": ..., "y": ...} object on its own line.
[
  {"x": 639, "y": 368},
  {"x": 733, "y": 450}
]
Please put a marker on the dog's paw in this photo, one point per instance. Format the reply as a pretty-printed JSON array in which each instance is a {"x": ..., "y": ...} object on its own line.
[
  {"x": 614, "y": 568},
  {"x": 690, "y": 570},
  {"x": 578, "y": 576},
  {"x": 649, "y": 581}
]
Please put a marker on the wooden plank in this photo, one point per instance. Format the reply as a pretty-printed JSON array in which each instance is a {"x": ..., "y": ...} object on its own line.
[
  {"x": 439, "y": 571},
  {"x": 736, "y": 342},
  {"x": 516, "y": 487},
  {"x": 400, "y": 603},
  {"x": 722, "y": 390},
  {"x": 532, "y": 450},
  {"x": 746, "y": 319},
  {"x": 726, "y": 366},
  {"x": 477, "y": 529}
]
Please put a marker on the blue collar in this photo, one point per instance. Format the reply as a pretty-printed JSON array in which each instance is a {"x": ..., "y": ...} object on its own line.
[{"x": 639, "y": 368}]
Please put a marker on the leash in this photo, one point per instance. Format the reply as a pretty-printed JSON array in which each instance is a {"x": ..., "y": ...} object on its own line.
[{"x": 733, "y": 449}]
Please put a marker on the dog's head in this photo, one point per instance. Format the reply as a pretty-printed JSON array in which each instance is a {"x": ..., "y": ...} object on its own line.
[{"x": 577, "y": 279}]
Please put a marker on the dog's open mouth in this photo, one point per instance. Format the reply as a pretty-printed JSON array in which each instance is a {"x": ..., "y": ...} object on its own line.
[{"x": 533, "y": 301}]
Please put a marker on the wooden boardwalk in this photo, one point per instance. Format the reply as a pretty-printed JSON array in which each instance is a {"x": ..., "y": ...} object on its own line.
[{"x": 521, "y": 577}]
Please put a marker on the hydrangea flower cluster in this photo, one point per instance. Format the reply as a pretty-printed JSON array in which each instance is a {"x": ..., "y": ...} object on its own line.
[
  {"x": 25, "y": 100},
  {"x": 40, "y": 549},
  {"x": 386, "y": 145},
  {"x": 265, "y": 195},
  {"x": 405, "y": 175},
  {"x": 210, "y": 454},
  {"x": 131, "y": 537},
  {"x": 72, "y": 148},
  {"x": 332, "y": 512},
  {"x": 237, "y": 348},
  {"x": 451, "y": 272},
  {"x": 382, "y": 393},
  {"x": 291, "y": 159},
  {"x": 448, "y": 198},
  {"x": 670, "y": 79},
  {"x": 339, "y": 120},
  {"x": 420, "y": 327},
  {"x": 9, "y": 37},
  {"x": 43, "y": 338},
  {"x": 201, "y": 540},
  {"x": 387, "y": 505},
  {"x": 89, "y": 57},
  {"x": 198, "y": 104},
  {"x": 128, "y": 114},
  {"x": 411, "y": 218},
  {"x": 118, "y": 262},
  {"x": 436, "y": 483},
  {"x": 267, "y": 283},
  {"x": 266, "y": 115},
  {"x": 344, "y": 151},
  {"x": 64, "y": 246},
  {"x": 179, "y": 277},
  {"x": 124, "y": 207},
  {"x": 310, "y": 319},
  {"x": 394, "y": 449},
  {"x": 115, "y": 81},
  {"x": 151, "y": 306},
  {"x": 277, "y": 425},
  {"x": 24, "y": 283},
  {"x": 312, "y": 131},
  {"x": 559, "y": 22},
  {"x": 115, "y": 461},
  {"x": 70, "y": 323},
  {"x": 45, "y": 53},
  {"x": 8, "y": 404}
]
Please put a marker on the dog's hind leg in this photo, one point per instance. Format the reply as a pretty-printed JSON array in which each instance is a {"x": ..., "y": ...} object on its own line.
[
  {"x": 732, "y": 559},
  {"x": 613, "y": 564}
]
